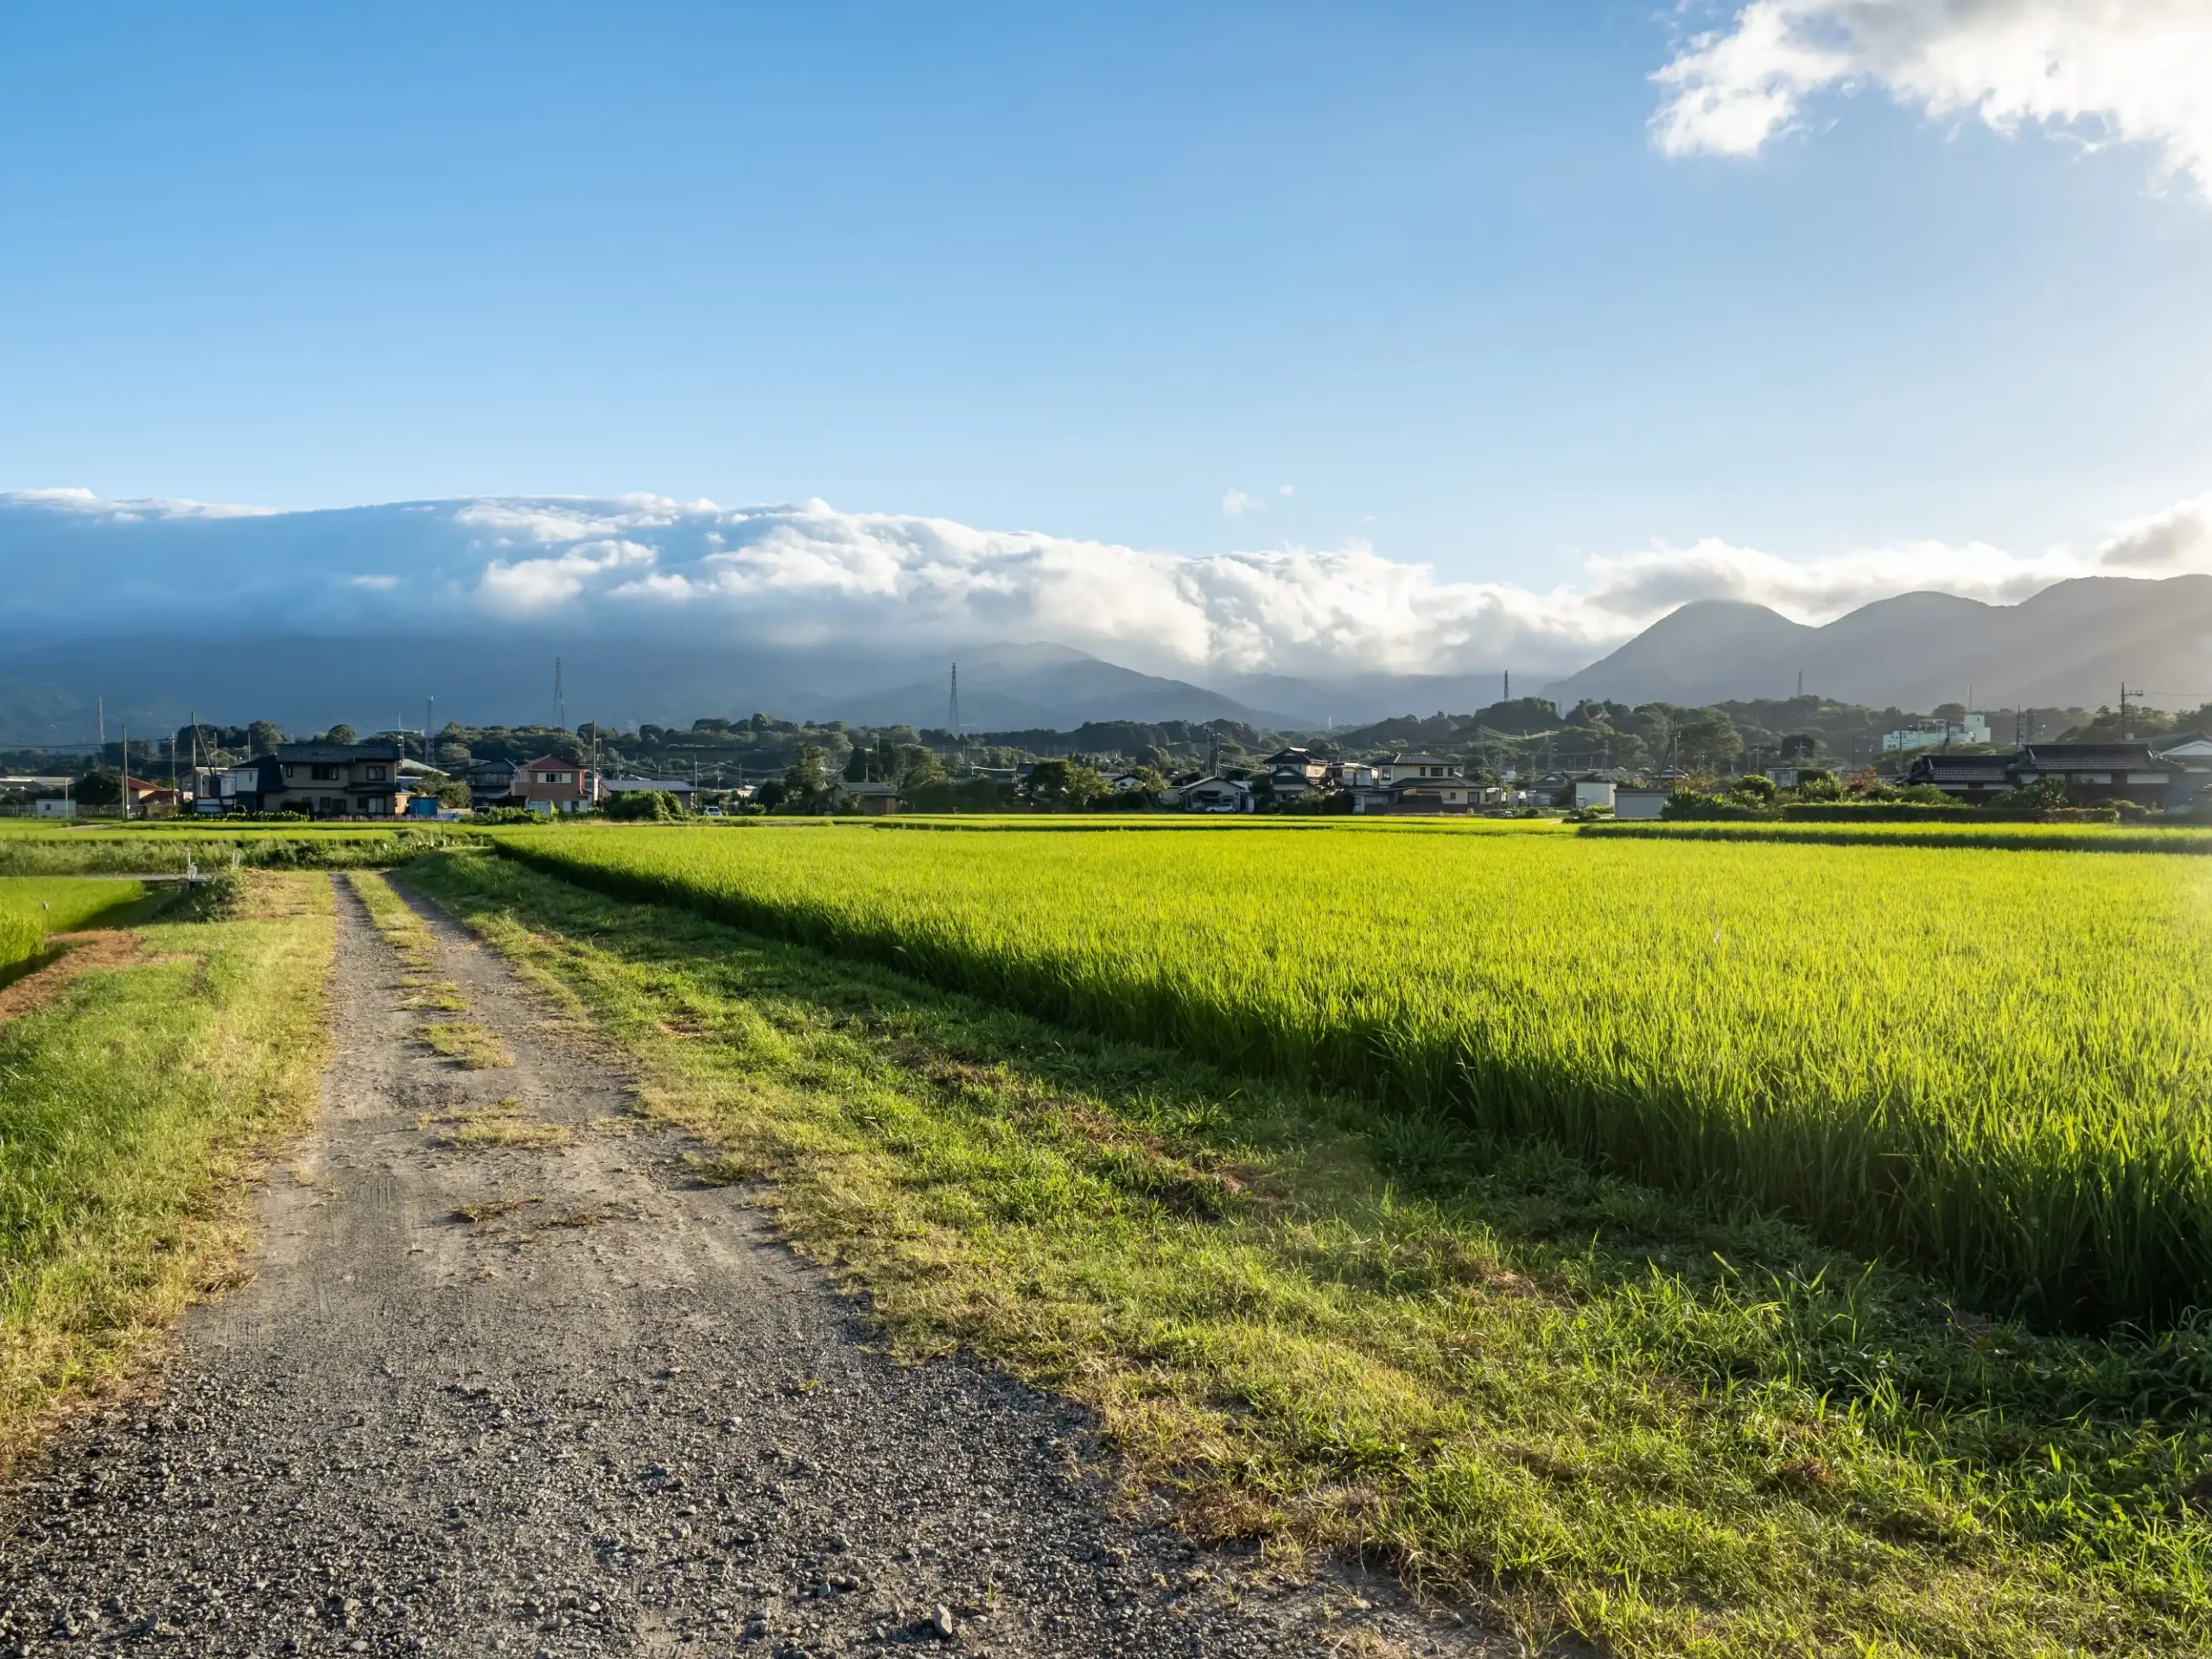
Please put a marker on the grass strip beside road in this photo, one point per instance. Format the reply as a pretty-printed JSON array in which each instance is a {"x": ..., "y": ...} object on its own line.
[
  {"x": 134, "y": 1104},
  {"x": 1598, "y": 1409}
]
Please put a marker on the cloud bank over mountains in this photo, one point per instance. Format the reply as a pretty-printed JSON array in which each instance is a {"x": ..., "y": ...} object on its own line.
[
  {"x": 2096, "y": 70},
  {"x": 810, "y": 575}
]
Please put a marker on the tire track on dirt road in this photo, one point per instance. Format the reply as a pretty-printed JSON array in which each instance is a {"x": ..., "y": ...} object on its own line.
[{"x": 609, "y": 1414}]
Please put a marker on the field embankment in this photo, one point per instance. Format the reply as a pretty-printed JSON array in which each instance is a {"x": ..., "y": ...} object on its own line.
[
  {"x": 1662, "y": 1423},
  {"x": 167, "y": 849},
  {"x": 133, "y": 1099},
  {"x": 1994, "y": 1067}
]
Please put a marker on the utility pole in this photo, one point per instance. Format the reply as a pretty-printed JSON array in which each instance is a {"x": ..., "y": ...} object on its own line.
[
  {"x": 2125, "y": 735},
  {"x": 560, "y": 707},
  {"x": 124, "y": 773},
  {"x": 1506, "y": 694},
  {"x": 99, "y": 718}
]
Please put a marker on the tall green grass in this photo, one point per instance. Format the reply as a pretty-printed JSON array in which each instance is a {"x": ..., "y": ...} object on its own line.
[
  {"x": 1996, "y": 1067},
  {"x": 162, "y": 849},
  {"x": 132, "y": 1104},
  {"x": 30, "y": 910}
]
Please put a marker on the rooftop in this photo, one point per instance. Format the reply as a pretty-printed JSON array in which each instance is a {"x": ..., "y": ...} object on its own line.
[{"x": 340, "y": 754}]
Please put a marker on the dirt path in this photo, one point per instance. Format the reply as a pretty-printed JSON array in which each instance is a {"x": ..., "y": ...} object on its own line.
[{"x": 618, "y": 1418}]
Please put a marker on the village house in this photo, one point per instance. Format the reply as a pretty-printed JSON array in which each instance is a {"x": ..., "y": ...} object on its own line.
[
  {"x": 2094, "y": 774},
  {"x": 1293, "y": 772},
  {"x": 1216, "y": 795},
  {"x": 1971, "y": 778},
  {"x": 320, "y": 780},
  {"x": 2190, "y": 751},
  {"x": 870, "y": 799},
  {"x": 552, "y": 784},
  {"x": 1403, "y": 768}
]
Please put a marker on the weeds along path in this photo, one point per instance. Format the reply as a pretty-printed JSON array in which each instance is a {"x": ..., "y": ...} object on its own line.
[{"x": 509, "y": 1378}]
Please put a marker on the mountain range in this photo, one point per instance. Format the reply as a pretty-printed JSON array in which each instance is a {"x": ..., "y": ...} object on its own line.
[{"x": 2071, "y": 645}]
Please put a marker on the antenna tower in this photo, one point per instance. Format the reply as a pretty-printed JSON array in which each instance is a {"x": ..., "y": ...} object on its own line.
[
  {"x": 952, "y": 706},
  {"x": 560, "y": 707}
]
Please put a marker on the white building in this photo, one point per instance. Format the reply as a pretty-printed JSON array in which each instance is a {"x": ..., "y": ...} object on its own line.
[{"x": 1933, "y": 735}]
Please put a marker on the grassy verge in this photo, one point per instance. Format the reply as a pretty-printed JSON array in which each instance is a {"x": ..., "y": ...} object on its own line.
[
  {"x": 1597, "y": 1409},
  {"x": 155, "y": 849},
  {"x": 132, "y": 1104}
]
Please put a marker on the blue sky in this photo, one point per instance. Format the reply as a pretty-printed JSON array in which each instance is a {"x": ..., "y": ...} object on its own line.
[{"x": 1086, "y": 269}]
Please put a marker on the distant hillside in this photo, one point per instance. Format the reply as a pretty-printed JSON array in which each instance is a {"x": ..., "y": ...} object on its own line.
[
  {"x": 46, "y": 693},
  {"x": 2071, "y": 645}
]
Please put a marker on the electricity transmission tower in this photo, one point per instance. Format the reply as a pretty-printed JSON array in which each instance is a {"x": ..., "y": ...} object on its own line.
[{"x": 952, "y": 706}]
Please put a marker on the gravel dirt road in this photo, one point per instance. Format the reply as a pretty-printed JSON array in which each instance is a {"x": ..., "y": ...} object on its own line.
[{"x": 610, "y": 1414}]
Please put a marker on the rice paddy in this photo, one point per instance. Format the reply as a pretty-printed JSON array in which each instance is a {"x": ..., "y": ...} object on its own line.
[
  {"x": 31, "y": 910},
  {"x": 1994, "y": 1065}
]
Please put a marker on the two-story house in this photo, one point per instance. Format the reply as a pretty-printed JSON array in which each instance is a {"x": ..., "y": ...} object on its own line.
[
  {"x": 550, "y": 784},
  {"x": 1424, "y": 768},
  {"x": 1292, "y": 772},
  {"x": 323, "y": 780}
]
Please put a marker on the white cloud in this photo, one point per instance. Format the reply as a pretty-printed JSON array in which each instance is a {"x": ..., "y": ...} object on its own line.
[
  {"x": 1236, "y": 504},
  {"x": 812, "y": 571},
  {"x": 2132, "y": 71},
  {"x": 72, "y": 499},
  {"x": 523, "y": 587},
  {"x": 2177, "y": 539},
  {"x": 809, "y": 572}
]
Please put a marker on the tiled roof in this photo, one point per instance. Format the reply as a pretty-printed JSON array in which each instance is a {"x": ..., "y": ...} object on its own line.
[
  {"x": 341, "y": 753},
  {"x": 2087, "y": 757}
]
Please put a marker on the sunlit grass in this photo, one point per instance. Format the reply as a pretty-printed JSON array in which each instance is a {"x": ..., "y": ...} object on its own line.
[{"x": 132, "y": 1105}]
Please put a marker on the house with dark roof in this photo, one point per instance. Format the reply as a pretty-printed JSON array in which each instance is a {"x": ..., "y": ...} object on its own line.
[
  {"x": 2097, "y": 772},
  {"x": 322, "y": 780},
  {"x": 2094, "y": 774},
  {"x": 1970, "y": 779}
]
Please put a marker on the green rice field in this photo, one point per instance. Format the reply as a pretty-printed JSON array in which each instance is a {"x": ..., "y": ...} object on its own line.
[
  {"x": 1995, "y": 1065},
  {"x": 32, "y": 909},
  {"x": 2019, "y": 838}
]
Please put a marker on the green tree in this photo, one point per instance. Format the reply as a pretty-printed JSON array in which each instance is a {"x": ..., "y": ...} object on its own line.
[
  {"x": 1063, "y": 785},
  {"x": 101, "y": 788},
  {"x": 1708, "y": 741},
  {"x": 263, "y": 737},
  {"x": 806, "y": 783},
  {"x": 644, "y": 806}
]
